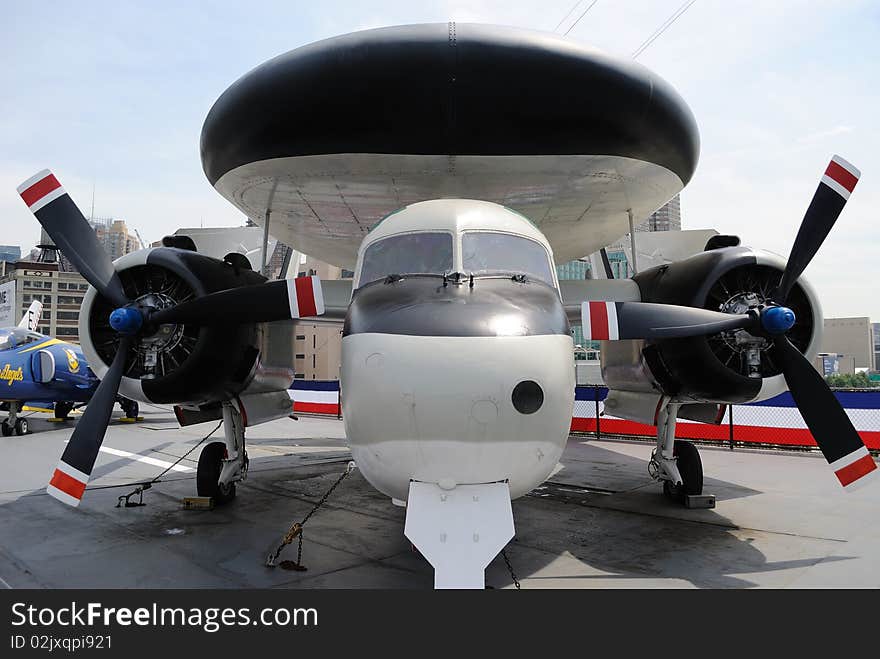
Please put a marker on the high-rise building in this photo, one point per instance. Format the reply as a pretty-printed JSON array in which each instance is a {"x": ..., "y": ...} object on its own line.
[
  {"x": 10, "y": 253},
  {"x": 665, "y": 218},
  {"x": 112, "y": 234},
  {"x": 116, "y": 238}
]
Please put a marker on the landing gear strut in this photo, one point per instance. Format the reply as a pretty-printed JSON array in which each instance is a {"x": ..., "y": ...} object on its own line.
[
  {"x": 676, "y": 462},
  {"x": 223, "y": 464},
  {"x": 13, "y": 423}
]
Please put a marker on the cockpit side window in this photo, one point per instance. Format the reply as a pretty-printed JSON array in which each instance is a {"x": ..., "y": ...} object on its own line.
[
  {"x": 485, "y": 252},
  {"x": 23, "y": 337},
  {"x": 407, "y": 254},
  {"x": 6, "y": 341}
]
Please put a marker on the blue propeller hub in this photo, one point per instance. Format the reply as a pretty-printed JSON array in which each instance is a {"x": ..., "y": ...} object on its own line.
[
  {"x": 126, "y": 320},
  {"x": 777, "y": 320}
]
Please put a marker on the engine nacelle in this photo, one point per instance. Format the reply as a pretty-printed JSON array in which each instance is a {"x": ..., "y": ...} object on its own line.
[
  {"x": 730, "y": 367},
  {"x": 186, "y": 363}
]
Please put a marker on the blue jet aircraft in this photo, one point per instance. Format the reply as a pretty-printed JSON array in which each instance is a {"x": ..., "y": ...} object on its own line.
[{"x": 38, "y": 370}]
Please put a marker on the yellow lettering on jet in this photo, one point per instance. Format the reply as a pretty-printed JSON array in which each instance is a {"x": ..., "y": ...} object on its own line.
[{"x": 11, "y": 375}]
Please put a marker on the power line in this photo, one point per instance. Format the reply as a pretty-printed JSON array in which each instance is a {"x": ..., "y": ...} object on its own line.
[
  {"x": 589, "y": 7},
  {"x": 564, "y": 18},
  {"x": 663, "y": 27}
]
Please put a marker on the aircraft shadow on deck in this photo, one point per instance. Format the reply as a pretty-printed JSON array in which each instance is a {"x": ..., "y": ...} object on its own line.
[{"x": 627, "y": 535}]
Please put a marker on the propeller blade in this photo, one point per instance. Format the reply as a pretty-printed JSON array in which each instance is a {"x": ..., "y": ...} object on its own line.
[
  {"x": 69, "y": 230},
  {"x": 71, "y": 476},
  {"x": 647, "y": 320},
  {"x": 261, "y": 303},
  {"x": 837, "y": 183},
  {"x": 835, "y": 434}
]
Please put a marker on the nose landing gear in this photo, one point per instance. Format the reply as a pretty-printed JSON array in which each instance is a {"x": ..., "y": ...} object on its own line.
[
  {"x": 13, "y": 424},
  {"x": 130, "y": 409}
]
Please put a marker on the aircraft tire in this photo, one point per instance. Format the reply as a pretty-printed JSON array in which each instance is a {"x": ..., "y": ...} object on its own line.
[
  {"x": 690, "y": 466},
  {"x": 208, "y": 473},
  {"x": 21, "y": 427},
  {"x": 6, "y": 429}
]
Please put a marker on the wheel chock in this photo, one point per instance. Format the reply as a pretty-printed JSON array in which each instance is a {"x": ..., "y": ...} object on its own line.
[
  {"x": 699, "y": 500},
  {"x": 198, "y": 503}
]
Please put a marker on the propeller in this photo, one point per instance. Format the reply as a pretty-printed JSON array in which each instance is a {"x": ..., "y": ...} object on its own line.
[
  {"x": 71, "y": 476},
  {"x": 611, "y": 321},
  {"x": 71, "y": 232},
  {"x": 828, "y": 422},
  {"x": 275, "y": 300}
]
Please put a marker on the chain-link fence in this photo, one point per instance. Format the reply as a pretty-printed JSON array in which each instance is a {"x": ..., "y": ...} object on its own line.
[{"x": 774, "y": 422}]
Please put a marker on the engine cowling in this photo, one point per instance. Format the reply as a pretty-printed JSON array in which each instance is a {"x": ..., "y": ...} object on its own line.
[
  {"x": 730, "y": 367},
  {"x": 186, "y": 363}
]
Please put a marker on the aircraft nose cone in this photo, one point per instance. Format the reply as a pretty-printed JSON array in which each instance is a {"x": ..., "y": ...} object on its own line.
[
  {"x": 126, "y": 320},
  {"x": 778, "y": 320}
]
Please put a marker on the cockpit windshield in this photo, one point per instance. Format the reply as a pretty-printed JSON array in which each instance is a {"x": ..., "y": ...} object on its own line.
[
  {"x": 17, "y": 337},
  {"x": 485, "y": 252},
  {"x": 407, "y": 254}
]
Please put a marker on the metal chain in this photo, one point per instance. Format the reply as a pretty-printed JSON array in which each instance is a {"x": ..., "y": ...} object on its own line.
[
  {"x": 296, "y": 529},
  {"x": 510, "y": 569},
  {"x": 124, "y": 500},
  {"x": 348, "y": 469}
]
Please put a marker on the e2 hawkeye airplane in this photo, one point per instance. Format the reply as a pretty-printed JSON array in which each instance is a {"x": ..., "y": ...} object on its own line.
[
  {"x": 38, "y": 370},
  {"x": 451, "y": 166}
]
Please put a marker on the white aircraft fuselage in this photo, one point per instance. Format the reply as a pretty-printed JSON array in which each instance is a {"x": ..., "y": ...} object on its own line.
[{"x": 452, "y": 380}]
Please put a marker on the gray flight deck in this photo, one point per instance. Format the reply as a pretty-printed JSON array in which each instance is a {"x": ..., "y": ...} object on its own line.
[{"x": 781, "y": 519}]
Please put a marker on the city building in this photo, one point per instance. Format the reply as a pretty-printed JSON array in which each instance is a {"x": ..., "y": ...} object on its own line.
[
  {"x": 10, "y": 253},
  {"x": 116, "y": 237},
  {"x": 577, "y": 269},
  {"x": 852, "y": 337},
  {"x": 60, "y": 292},
  {"x": 665, "y": 218},
  {"x": 113, "y": 234}
]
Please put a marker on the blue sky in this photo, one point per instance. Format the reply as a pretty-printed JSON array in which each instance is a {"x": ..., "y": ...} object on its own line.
[{"x": 114, "y": 93}]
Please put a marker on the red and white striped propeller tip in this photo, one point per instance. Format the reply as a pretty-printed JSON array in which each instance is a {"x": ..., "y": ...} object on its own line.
[
  {"x": 841, "y": 176},
  {"x": 305, "y": 296},
  {"x": 599, "y": 321},
  {"x": 40, "y": 189}
]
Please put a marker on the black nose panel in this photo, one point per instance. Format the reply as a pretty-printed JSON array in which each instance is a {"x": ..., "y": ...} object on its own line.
[
  {"x": 429, "y": 306},
  {"x": 527, "y": 397}
]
